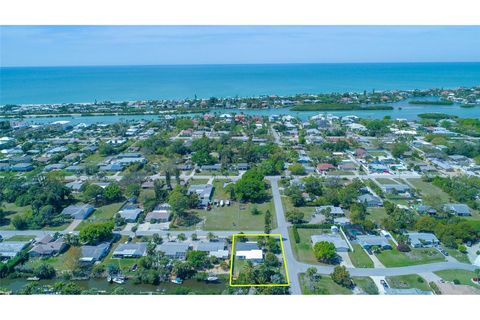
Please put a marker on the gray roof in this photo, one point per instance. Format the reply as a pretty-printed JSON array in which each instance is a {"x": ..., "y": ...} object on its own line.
[
  {"x": 10, "y": 249},
  {"x": 130, "y": 214},
  {"x": 79, "y": 210},
  {"x": 210, "y": 246},
  {"x": 172, "y": 248},
  {"x": 370, "y": 240},
  {"x": 49, "y": 248},
  {"x": 419, "y": 238},
  {"x": 246, "y": 246},
  {"x": 131, "y": 249},
  {"x": 458, "y": 208},
  {"x": 94, "y": 253}
]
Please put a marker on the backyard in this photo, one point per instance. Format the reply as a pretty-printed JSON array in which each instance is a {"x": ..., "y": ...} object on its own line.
[{"x": 395, "y": 258}]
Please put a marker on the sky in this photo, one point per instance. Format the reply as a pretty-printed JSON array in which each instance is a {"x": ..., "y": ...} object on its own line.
[{"x": 167, "y": 45}]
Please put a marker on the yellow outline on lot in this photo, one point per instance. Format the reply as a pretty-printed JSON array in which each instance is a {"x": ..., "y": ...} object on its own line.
[{"x": 259, "y": 285}]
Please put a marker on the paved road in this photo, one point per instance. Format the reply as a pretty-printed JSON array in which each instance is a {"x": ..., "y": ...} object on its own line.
[{"x": 292, "y": 264}]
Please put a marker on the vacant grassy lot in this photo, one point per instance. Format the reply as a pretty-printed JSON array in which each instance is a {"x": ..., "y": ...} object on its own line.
[
  {"x": 366, "y": 284},
  {"x": 461, "y": 257},
  {"x": 236, "y": 217},
  {"x": 64, "y": 262},
  {"x": 288, "y": 206},
  {"x": 385, "y": 181},
  {"x": 395, "y": 258},
  {"x": 426, "y": 188},
  {"x": 219, "y": 191},
  {"x": 360, "y": 258},
  {"x": 324, "y": 285},
  {"x": 408, "y": 281},
  {"x": 303, "y": 251},
  {"x": 377, "y": 214},
  {"x": 20, "y": 238},
  {"x": 463, "y": 276},
  {"x": 101, "y": 214},
  {"x": 11, "y": 210}
]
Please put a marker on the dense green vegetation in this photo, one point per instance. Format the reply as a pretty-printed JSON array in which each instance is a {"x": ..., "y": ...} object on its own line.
[
  {"x": 337, "y": 106},
  {"x": 432, "y": 102}
]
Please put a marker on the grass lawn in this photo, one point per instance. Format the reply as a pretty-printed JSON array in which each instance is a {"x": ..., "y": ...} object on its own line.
[
  {"x": 324, "y": 285},
  {"x": 124, "y": 264},
  {"x": 377, "y": 214},
  {"x": 340, "y": 173},
  {"x": 461, "y": 257},
  {"x": 426, "y": 188},
  {"x": 366, "y": 284},
  {"x": 63, "y": 262},
  {"x": 461, "y": 275},
  {"x": 395, "y": 258},
  {"x": 386, "y": 181},
  {"x": 11, "y": 210},
  {"x": 360, "y": 258},
  {"x": 218, "y": 190},
  {"x": 100, "y": 214},
  {"x": 408, "y": 281},
  {"x": 197, "y": 181},
  {"x": 20, "y": 238},
  {"x": 303, "y": 251},
  {"x": 288, "y": 206},
  {"x": 94, "y": 158},
  {"x": 236, "y": 217}
]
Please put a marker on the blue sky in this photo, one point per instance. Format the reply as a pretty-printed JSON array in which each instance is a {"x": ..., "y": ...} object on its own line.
[{"x": 147, "y": 45}]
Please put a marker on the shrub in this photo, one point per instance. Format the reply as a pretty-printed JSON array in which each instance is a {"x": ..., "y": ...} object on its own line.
[
  {"x": 456, "y": 281},
  {"x": 296, "y": 236},
  {"x": 402, "y": 247}
]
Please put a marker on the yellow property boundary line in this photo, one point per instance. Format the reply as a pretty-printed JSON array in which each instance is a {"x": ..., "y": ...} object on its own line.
[{"x": 259, "y": 285}]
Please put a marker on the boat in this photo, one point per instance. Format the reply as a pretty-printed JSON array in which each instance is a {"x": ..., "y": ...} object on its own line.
[
  {"x": 117, "y": 279},
  {"x": 177, "y": 281},
  {"x": 212, "y": 279},
  {"x": 33, "y": 278}
]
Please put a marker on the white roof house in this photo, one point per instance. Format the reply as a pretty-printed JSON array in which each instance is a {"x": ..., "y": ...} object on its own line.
[{"x": 248, "y": 251}]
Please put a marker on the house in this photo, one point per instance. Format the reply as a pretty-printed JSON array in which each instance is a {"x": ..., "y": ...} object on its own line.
[
  {"x": 324, "y": 167},
  {"x": 458, "y": 209},
  {"x": 74, "y": 169},
  {"x": 161, "y": 213},
  {"x": 360, "y": 153},
  {"x": 204, "y": 192},
  {"x": 173, "y": 250},
  {"x": 92, "y": 254},
  {"x": 425, "y": 209},
  {"x": 10, "y": 249},
  {"x": 395, "y": 188},
  {"x": 22, "y": 167},
  {"x": 335, "y": 211},
  {"x": 130, "y": 212},
  {"x": 214, "y": 249},
  {"x": 248, "y": 251},
  {"x": 422, "y": 239},
  {"x": 242, "y": 166},
  {"x": 79, "y": 211},
  {"x": 347, "y": 166},
  {"x": 370, "y": 200},
  {"x": 340, "y": 244},
  {"x": 48, "y": 246},
  {"x": 368, "y": 241},
  {"x": 341, "y": 221},
  {"x": 211, "y": 167},
  {"x": 130, "y": 250}
]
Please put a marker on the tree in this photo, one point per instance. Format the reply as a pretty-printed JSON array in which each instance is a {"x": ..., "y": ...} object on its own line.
[
  {"x": 271, "y": 259},
  {"x": 168, "y": 179},
  {"x": 255, "y": 211},
  {"x": 198, "y": 259},
  {"x": 178, "y": 201},
  {"x": 297, "y": 169},
  {"x": 161, "y": 193},
  {"x": 295, "y": 216},
  {"x": 112, "y": 192},
  {"x": 268, "y": 221},
  {"x": 96, "y": 232},
  {"x": 341, "y": 276},
  {"x": 325, "y": 251},
  {"x": 133, "y": 190},
  {"x": 251, "y": 187},
  {"x": 44, "y": 271},
  {"x": 202, "y": 158},
  {"x": 399, "y": 149}
]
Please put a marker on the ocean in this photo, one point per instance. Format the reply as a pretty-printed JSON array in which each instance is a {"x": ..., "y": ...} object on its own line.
[{"x": 36, "y": 85}]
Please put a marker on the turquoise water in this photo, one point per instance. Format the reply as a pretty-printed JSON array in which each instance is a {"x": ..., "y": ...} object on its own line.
[
  {"x": 401, "y": 110},
  {"x": 121, "y": 83}
]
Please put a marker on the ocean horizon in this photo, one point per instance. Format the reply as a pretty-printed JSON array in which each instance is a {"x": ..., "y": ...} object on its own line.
[{"x": 81, "y": 84}]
